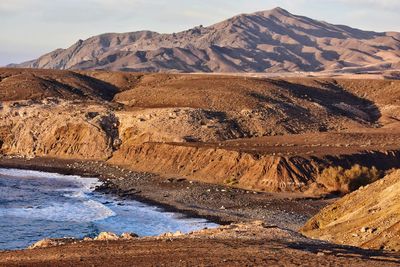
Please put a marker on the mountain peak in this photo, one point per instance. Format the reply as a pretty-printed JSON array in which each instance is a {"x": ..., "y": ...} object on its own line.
[
  {"x": 280, "y": 10},
  {"x": 277, "y": 11},
  {"x": 267, "y": 41}
]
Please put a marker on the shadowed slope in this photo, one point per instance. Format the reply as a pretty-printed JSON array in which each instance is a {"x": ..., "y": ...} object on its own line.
[{"x": 26, "y": 84}]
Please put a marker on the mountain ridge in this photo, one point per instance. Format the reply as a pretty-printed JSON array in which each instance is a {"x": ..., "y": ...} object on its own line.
[{"x": 265, "y": 41}]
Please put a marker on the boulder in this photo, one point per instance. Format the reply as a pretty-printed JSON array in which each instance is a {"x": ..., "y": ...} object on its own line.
[{"x": 103, "y": 236}]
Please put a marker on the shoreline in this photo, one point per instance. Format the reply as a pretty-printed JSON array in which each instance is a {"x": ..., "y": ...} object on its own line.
[
  {"x": 215, "y": 203},
  {"x": 23, "y": 165},
  {"x": 247, "y": 242}
]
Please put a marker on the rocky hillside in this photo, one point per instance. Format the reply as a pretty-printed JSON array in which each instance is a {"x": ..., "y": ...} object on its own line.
[
  {"x": 369, "y": 217},
  {"x": 261, "y": 134},
  {"x": 267, "y": 41}
]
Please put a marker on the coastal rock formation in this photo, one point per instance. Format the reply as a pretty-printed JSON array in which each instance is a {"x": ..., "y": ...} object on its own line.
[
  {"x": 220, "y": 166},
  {"x": 78, "y": 131},
  {"x": 250, "y": 170},
  {"x": 368, "y": 217},
  {"x": 266, "y": 41}
]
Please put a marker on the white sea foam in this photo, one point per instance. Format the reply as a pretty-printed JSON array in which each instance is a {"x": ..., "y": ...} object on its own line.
[
  {"x": 82, "y": 210},
  {"x": 76, "y": 194},
  {"x": 86, "y": 184},
  {"x": 85, "y": 211},
  {"x": 42, "y": 204}
]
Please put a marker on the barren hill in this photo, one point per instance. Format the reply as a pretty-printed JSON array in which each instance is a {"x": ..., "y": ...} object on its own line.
[
  {"x": 369, "y": 217},
  {"x": 23, "y": 84},
  {"x": 267, "y": 41}
]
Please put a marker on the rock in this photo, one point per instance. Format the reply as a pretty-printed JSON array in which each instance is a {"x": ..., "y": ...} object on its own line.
[
  {"x": 169, "y": 234},
  {"x": 44, "y": 243},
  {"x": 106, "y": 236},
  {"x": 178, "y": 233},
  {"x": 367, "y": 230},
  {"x": 259, "y": 223},
  {"x": 47, "y": 242},
  {"x": 129, "y": 236}
]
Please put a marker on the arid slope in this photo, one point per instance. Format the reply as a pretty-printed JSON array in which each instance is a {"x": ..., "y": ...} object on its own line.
[{"x": 369, "y": 217}]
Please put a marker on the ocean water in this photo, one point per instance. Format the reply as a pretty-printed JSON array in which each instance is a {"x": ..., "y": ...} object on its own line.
[{"x": 36, "y": 205}]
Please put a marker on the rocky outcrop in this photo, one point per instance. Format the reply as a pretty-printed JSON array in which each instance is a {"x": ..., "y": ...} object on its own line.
[
  {"x": 78, "y": 131},
  {"x": 368, "y": 217},
  {"x": 103, "y": 236}
]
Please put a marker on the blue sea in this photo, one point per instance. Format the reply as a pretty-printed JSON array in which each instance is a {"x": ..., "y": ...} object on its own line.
[{"x": 36, "y": 205}]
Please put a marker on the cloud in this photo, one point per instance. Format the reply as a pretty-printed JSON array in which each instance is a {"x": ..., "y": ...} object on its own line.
[{"x": 14, "y": 5}]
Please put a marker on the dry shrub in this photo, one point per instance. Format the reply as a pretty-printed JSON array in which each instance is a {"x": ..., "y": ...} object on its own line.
[
  {"x": 231, "y": 181},
  {"x": 340, "y": 180}
]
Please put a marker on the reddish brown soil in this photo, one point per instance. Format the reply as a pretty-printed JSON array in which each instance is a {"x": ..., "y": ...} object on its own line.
[{"x": 196, "y": 252}]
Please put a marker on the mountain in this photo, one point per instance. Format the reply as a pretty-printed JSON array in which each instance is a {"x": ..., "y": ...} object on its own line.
[{"x": 267, "y": 41}]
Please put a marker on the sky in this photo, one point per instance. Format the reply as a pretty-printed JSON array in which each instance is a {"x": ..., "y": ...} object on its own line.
[{"x": 30, "y": 28}]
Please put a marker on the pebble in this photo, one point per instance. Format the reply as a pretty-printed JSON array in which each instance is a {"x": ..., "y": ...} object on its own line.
[{"x": 367, "y": 230}]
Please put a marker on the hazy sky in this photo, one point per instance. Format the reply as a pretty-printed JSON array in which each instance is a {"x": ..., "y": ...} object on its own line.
[{"x": 29, "y": 28}]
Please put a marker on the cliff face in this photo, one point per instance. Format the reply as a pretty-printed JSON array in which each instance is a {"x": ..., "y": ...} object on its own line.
[
  {"x": 241, "y": 169},
  {"x": 267, "y": 41},
  {"x": 220, "y": 166},
  {"x": 368, "y": 217},
  {"x": 78, "y": 131}
]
